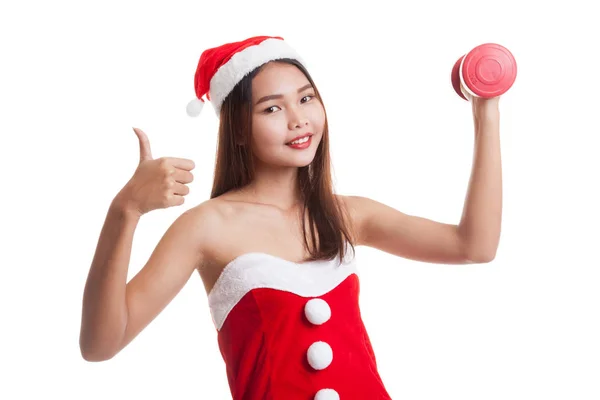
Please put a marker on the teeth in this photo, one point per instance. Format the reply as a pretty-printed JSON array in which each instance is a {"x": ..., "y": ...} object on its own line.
[{"x": 303, "y": 140}]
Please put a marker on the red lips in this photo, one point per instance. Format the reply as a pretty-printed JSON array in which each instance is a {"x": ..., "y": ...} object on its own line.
[{"x": 300, "y": 137}]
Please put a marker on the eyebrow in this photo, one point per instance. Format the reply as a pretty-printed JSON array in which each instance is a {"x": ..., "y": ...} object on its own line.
[{"x": 279, "y": 96}]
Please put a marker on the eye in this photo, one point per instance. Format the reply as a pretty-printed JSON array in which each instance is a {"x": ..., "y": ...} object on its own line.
[
  {"x": 309, "y": 96},
  {"x": 268, "y": 110}
]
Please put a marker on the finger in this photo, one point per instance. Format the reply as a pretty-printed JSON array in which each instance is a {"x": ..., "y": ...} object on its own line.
[
  {"x": 180, "y": 189},
  {"x": 183, "y": 176},
  {"x": 175, "y": 200},
  {"x": 145, "y": 151},
  {"x": 181, "y": 163}
]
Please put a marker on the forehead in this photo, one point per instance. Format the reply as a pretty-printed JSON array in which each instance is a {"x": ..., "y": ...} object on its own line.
[{"x": 278, "y": 78}]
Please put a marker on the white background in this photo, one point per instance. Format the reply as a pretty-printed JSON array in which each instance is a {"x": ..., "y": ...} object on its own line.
[{"x": 76, "y": 76}]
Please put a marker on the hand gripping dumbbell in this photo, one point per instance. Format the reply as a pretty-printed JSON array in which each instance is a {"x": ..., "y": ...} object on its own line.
[{"x": 487, "y": 71}]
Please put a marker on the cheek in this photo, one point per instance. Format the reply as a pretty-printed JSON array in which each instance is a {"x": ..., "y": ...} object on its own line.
[
  {"x": 262, "y": 129},
  {"x": 267, "y": 135},
  {"x": 318, "y": 118}
]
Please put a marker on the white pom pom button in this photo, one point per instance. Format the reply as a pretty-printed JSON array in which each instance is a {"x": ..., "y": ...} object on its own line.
[
  {"x": 327, "y": 394},
  {"x": 319, "y": 355},
  {"x": 317, "y": 311},
  {"x": 194, "y": 107}
]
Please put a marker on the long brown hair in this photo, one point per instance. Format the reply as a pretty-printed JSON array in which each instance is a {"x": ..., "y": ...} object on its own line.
[{"x": 234, "y": 168}]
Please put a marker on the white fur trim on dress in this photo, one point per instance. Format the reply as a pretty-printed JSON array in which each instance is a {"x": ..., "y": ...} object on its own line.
[
  {"x": 244, "y": 62},
  {"x": 260, "y": 270}
]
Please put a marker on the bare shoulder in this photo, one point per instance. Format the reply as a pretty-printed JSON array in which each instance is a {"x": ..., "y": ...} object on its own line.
[
  {"x": 348, "y": 201},
  {"x": 364, "y": 211},
  {"x": 353, "y": 208},
  {"x": 205, "y": 222},
  {"x": 216, "y": 222},
  {"x": 206, "y": 212},
  {"x": 221, "y": 224},
  {"x": 194, "y": 231}
]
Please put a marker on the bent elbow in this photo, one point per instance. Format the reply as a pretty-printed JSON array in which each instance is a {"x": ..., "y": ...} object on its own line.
[
  {"x": 91, "y": 354},
  {"x": 480, "y": 254},
  {"x": 480, "y": 257},
  {"x": 96, "y": 356}
]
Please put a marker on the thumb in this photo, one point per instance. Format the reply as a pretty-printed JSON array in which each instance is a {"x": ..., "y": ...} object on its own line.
[{"x": 145, "y": 151}]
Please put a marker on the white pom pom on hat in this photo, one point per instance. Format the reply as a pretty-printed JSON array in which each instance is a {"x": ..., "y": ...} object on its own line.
[
  {"x": 221, "y": 68},
  {"x": 194, "y": 107}
]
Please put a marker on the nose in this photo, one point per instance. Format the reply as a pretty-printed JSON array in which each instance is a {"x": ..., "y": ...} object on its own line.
[{"x": 297, "y": 119}]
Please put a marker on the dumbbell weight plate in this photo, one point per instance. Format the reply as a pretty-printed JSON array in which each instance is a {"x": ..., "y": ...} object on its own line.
[
  {"x": 455, "y": 76},
  {"x": 488, "y": 70}
]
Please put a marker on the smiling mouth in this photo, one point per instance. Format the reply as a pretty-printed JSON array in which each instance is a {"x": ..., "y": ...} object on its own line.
[
  {"x": 304, "y": 143},
  {"x": 299, "y": 141}
]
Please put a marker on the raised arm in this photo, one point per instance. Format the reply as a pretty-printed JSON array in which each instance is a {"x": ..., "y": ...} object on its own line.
[
  {"x": 113, "y": 312},
  {"x": 475, "y": 238}
]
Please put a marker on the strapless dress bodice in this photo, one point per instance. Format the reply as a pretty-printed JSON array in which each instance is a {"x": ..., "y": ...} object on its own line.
[{"x": 290, "y": 331}]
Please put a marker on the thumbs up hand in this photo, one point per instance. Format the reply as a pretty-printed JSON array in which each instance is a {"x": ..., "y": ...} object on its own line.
[{"x": 159, "y": 183}]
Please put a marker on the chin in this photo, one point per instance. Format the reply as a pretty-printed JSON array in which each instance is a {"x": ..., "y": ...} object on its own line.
[
  {"x": 297, "y": 162},
  {"x": 302, "y": 160},
  {"x": 288, "y": 162},
  {"x": 300, "y": 165}
]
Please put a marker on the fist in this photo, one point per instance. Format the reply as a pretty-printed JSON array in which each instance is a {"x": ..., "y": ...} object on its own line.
[
  {"x": 485, "y": 108},
  {"x": 156, "y": 183}
]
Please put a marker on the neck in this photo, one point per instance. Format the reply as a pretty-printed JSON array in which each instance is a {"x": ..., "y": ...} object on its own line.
[{"x": 278, "y": 188}]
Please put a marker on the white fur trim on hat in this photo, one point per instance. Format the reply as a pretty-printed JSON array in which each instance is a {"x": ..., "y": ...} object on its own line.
[{"x": 244, "y": 62}]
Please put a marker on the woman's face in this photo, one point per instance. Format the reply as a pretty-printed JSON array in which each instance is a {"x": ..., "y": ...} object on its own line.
[{"x": 285, "y": 106}]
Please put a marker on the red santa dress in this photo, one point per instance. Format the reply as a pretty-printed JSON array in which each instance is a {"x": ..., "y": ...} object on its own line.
[{"x": 293, "y": 331}]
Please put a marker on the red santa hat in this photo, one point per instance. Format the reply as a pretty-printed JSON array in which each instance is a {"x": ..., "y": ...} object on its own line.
[{"x": 221, "y": 68}]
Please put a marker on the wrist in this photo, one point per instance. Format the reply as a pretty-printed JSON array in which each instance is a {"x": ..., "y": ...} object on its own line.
[
  {"x": 124, "y": 207},
  {"x": 486, "y": 116},
  {"x": 486, "y": 112}
]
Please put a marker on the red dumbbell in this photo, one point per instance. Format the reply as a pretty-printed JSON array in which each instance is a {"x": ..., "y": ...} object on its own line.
[{"x": 488, "y": 70}]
